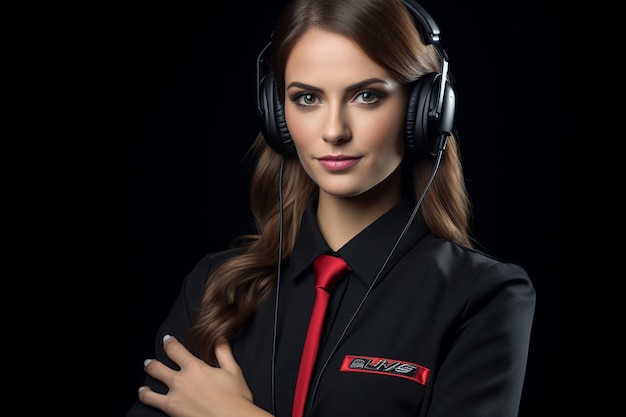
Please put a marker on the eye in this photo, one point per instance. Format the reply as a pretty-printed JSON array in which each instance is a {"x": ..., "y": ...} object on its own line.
[
  {"x": 304, "y": 99},
  {"x": 368, "y": 97}
]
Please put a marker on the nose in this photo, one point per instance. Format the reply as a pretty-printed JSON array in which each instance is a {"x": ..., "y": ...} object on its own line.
[{"x": 337, "y": 129}]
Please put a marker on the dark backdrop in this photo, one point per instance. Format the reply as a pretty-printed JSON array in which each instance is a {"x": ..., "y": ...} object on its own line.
[{"x": 157, "y": 109}]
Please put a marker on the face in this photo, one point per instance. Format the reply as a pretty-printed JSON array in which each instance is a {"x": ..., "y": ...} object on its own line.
[{"x": 345, "y": 114}]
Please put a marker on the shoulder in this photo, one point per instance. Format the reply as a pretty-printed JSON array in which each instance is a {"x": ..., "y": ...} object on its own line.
[
  {"x": 195, "y": 281},
  {"x": 476, "y": 282},
  {"x": 467, "y": 267},
  {"x": 212, "y": 260}
]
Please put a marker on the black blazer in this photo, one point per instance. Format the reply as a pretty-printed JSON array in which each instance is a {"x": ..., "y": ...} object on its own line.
[{"x": 443, "y": 332}]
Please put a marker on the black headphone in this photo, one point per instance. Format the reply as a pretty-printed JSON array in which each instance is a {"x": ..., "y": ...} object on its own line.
[{"x": 430, "y": 109}]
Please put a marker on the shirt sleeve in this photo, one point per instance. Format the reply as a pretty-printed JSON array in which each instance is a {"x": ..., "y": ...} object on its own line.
[{"x": 484, "y": 370}]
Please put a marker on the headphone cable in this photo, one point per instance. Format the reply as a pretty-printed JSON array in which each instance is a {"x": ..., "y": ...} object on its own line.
[
  {"x": 278, "y": 274},
  {"x": 369, "y": 290},
  {"x": 371, "y": 287}
]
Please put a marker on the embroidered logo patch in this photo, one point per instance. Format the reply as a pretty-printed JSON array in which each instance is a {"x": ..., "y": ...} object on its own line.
[{"x": 384, "y": 366}]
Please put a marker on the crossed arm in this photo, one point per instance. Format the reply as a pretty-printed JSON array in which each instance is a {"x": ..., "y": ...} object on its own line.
[{"x": 198, "y": 389}]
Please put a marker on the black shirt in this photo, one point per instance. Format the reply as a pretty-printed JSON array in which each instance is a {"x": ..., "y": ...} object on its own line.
[{"x": 443, "y": 331}]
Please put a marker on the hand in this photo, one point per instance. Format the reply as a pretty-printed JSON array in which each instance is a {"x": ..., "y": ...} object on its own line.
[{"x": 199, "y": 390}]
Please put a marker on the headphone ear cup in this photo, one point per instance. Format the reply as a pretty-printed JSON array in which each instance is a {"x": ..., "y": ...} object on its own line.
[
  {"x": 284, "y": 137},
  {"x": 274, "y": 126},
  {"x": 419, "y": 133}
]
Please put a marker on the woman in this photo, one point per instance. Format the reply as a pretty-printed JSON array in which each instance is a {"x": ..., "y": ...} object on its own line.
[{"x": 356, "y": 159}]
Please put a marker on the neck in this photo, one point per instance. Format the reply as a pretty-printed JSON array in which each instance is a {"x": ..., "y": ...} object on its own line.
[{"x": 342, "y": 218}]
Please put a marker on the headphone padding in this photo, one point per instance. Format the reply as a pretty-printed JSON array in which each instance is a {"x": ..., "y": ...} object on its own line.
[
  {"x": 416, "y": 137},
  {"x": 284, "y": 137},
  {"x": 273, "y": 125}
]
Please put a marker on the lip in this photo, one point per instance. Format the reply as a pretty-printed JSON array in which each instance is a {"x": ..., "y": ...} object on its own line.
[{"x": 338, "y": 162}]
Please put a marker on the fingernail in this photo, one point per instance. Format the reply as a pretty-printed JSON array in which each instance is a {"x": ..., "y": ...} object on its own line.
[
  {"x": 166, "y": 338},
  {"x": 141, "y": 388},
  {"x": 146, "y": 362}
]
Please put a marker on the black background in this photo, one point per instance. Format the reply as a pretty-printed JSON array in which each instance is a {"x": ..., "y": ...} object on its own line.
[{"x": 157, "y": 106}]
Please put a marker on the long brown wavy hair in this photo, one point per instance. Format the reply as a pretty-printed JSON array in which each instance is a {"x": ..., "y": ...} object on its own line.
[{"x": 386, "y": 31}]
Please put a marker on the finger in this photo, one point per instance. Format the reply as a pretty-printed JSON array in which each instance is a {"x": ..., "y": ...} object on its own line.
[
  {"x": 225, "y": 358},
  {"x": 149, "y": 397},
  {"x": 159, "y": 371},
  {"x": 227, "y": 362},
  {"x": 176, "y": 351}
]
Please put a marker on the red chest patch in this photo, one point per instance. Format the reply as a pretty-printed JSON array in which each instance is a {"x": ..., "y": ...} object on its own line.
[{"x": 384, "y": 366}]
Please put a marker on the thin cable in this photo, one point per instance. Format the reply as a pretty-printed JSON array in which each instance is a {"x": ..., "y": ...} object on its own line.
[
  {"x": 369, "y": 290},
  {"x": 278, "y": 273}
]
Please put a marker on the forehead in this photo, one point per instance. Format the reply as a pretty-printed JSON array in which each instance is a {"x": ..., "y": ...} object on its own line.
[{"x": 319, "y": 56}]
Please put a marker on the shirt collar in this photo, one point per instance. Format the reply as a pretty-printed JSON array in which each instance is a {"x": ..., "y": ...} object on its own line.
[{"x": 366, "y": 252}]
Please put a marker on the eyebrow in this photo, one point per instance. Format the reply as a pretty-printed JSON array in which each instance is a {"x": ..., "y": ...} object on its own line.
[{"x": 352, "y": 87}]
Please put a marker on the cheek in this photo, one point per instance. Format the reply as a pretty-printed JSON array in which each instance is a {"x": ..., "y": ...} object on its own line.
[
  {"x": 385, "y": 133},
  {"x": 302, "y": 133}
]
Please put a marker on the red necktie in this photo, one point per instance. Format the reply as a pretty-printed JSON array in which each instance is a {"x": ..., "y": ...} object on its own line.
[{"x": 328, "y": 271}]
